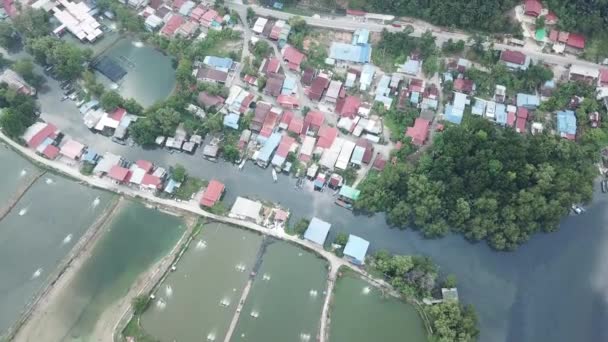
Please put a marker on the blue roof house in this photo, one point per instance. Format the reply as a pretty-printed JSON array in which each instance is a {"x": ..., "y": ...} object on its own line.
[
  {"x": 268, "y": 149},
  {"x": 566, "y": 124},
  {"x": 367, "y": 76},
  {"x": 232, "y": 120},
  {"x": 289, "y": 85},
  {"x": 356, "y": 249},
  {"x": 90, "y": 156},
  {"x": 479, "y": 107},
  {"x": 527, "y": 101},
  {"x": 455, "y": 111},
  {"x": 501, "y": 114},
  {"x": 218, "y": 63},
  {"x": 317, "y": 231},
  {"x": 361, "y": 37},
  {"x": 411, "y": 67},
  {"x": 350, "y": 53}
]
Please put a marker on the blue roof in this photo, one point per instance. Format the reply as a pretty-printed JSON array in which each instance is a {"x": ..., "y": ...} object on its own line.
[
  {"x": 232, "y": 120},
  {"x": 89, "y": 105},
  {"x": 415, "y": 97},
  {"x": 360, "y": 37},
  {"x": 219, "y": 63},
  {"x": 350, "y": 53},
  {"x": 171, "y": 185},
  {"x": 271, "y": 144},
  {"x": 317, "y": 231},
  {"x": 356, "y": 248},
  {"x": 527, "y": 100},
  {"x": 410, "y": 67},
  {"x": 367, "y": 74},
  {"x": 566, "y": 122},
  {"x": 451, "y": 115},
  {"x": 549, "y": 84},
  {"x": 479, "y": 107},
  {"x": 501, "y": 113},
  {"x": 90, "y": 156},
  {"x": 289, "y": 84},
  {"x": 447, "y": 76}
]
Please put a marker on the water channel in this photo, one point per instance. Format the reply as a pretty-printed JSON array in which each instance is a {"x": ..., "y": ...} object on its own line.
[
  {"x": 361, "y": 313},
  {"x": 286, "y": 298},
  {"x": 198, "y": 300},
  {"x": 131, "y": 243},
  {"x": 38, "y": 233},
  {"x": 15, "y": 171}
]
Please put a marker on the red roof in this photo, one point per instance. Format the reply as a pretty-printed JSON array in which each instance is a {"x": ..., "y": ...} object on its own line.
[
  {"x": 327, "y": 135},
  {"x": 209, "y": 16},
  {"x": 172, "y": 25},
  {"x": 419, "y": 132},
  {"x": 287, "y": 101},
  {"x": 39, "y": 137},
  {"x": 510, "y": 119},
  {"x": 10, "y": 8},
  {"x": 521, "y": 125},
  {"x": 178, "y": 3},
  {"x": 250, "y": 79},
  {"x": 151, "y": 181},
  {"x": 307, "y": 76},
  {"x": 286, "y": 118},
  {"x": 358, "y": 13},
  {"x": 285, "y": 146},
  {"x": 51, "y": 151},
  {"x": 522, "y": 112},
  {"x": 553, "y": 35},
  {"x": 118, "y": 114},
  {"x": 463, "y": 85},
  {"x": 293, "y": 57},
  {"x": 212, "y": 194},
  {"x": 563, "y": 36},
  {"x": 576, "y": 40},
  {"x": 379, "y": 163},
  {"x": 270, "y": 121},
  {"x": 197, "y": 13},
  {"x": 551, "y": 17},
  {"x": 514, "y": 57},
  {"x": 348, "y": 106},
  {"x": 533, "y": 8},
  {"x": 118, "y": 173},
  {"x": 318, "y": 86},
  {"x": 144, "y": 164},
  {"x": 314, "y": 118},
  {"x": 296, "y": 125},
  {"x": 275, "y": 32},
  {"x": 369, "y": 149},
  {"x": 272, "y": 66},
  {"x": 246, "y": 102},
  {"x": 280, "y": 215},
  {"x": 603, "y": 76}
]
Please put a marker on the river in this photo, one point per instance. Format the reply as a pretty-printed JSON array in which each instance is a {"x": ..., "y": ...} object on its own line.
[
  {"x": 206, "y": 287},
  {"x": 38, "y": 233},
  {"x": 386, "y": 318},
  {"x": 15, "y": 171}
]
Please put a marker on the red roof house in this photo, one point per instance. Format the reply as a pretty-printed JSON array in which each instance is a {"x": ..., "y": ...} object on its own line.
[
  {"x": 576, "y": 41},
  {"x": 296, "y": 125},
  {"x": 419, "y": 132},
  {"x": 511, "y": 118},
  {"x": 172, "y": 25},
  {"x": 532, "y": 8},
  {"x": 39, "y": 137},
  {"x": 355, "y": 13},
  {"x": 313, "y": 121},
  {"x": 327, "y": 135},
  {"x": 462, "y": 85},
  {"x": 51, "y": 152},
  {"x": 151, "y": 182},
  {"x": 317, "y": 88},
  {"x": 562, "y": 37},
  {"x": 285, "y": 146},
  {"x": 196, "y": 13},
  {"x": 118, "y": 173},
  {"x": 520, "y": 125},
  {"x": 379, "y": 162},
  {"x": 144, "y": 165},
  {"x": 348, "y": 106},
  {"x": 118, "y": 114},
  {"x": 514, "y": 57},
  {"x": 286, "y": 119},
  {"x": 369, "y": 150},
  {"x": 522, "y": 112},
  {"x": 603, "y": 77},
  {"x": 271, "y": 66},
  {"x": 551, "y": 18},
  {"x": 212, "y": 193},
  {"x": 293, "y": 57},
  {"x": 209, "y": 17},
  {"x": 307, "y": 76},
  {"x": 288, "y": 101}
]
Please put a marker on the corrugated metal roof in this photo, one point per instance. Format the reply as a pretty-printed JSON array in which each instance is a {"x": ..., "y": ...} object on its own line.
[
  {"x": 356, "y": 248},
  {"x": 349, "y": 192},
  {"x": 350, "y": 53},
  {"x": 317, "y": 231}
]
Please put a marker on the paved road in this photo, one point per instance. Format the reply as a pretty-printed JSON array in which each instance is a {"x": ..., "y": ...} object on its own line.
[{"x": 347, "y": 24}]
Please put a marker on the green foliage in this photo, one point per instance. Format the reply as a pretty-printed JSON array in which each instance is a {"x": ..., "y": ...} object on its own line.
[
  {"x": 451, "y": 321},
  {"x": 110, "y": 100},
  {"x": 18, "y": 112},
  {"x": 250, "y": 14},
  {"x": 140, "y": 304},
  {"x": 178, "y": 173},
  {"x": 298, "y": 228},
  {"x": 219, "y": 208},
  {"x": 451, "y": 47},
  {"x": 527, "y": 81},
  {"x": 67, "y": 59},
  {"x": 87, "y": 168},
  {"x": 32, "y": 23},
  {"x": 299, "y": 31},
  {"x": 189, "y": 187},
  {"x": 341, "y": 239},
  {"x": 261, "y": 49},
  {"x": 395, "y": 47},
  {"x": 95, "y": 88},
  {"x": 9, "y": 38},
  {"x": 183, "y": 73},
  {"x": 349, "y": 175},
  {"x": 25, "y": 68},
  {"x": 486, "y": 183},
  {"x": 449, "y": 282},
  {"x": 230, "y": 150},
  {"x": 158, "y": 121},
  {"x": 133, "y": 107},
  {"x": 397, "y": 120},
  {"x": 315, "y": 56}
]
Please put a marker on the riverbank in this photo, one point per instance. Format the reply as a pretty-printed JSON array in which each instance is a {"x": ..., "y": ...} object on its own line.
[{"x": 31, "y": 327}]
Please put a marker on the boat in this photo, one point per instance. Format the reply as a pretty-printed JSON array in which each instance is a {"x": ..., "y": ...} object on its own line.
[
  {"x": 577, "y": 209},
  {"x": 242, "y": 164},
  {"x": 254, "y": 314},
  {"x": 604, "y": 184},
  {"x": 274, "y": 175}
]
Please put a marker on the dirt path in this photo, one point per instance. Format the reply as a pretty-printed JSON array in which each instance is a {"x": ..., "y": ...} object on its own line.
[{"x": 41, "y": 323}]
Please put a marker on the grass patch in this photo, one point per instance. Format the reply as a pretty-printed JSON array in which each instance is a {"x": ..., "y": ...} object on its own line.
[
  {"x": 299, "y": 11},
  {"x": 189, "y": 187},
  {"x": 134, "y": 329}
]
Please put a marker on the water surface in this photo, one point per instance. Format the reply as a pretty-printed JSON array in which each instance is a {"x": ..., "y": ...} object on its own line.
[{"x": 15, "y": 170}]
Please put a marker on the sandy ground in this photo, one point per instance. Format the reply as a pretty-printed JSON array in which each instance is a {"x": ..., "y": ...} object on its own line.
[{"x": 43, "y": 323}]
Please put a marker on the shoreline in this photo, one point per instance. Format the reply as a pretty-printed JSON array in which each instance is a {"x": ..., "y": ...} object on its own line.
[{"x": 34, "y": 319}]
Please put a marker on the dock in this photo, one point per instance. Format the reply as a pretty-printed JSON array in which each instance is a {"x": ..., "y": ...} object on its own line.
[{"x": 239, "y": 308}]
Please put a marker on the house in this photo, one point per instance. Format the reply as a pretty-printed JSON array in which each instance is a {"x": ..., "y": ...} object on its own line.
[
  {"x": 313, "y": 122},
  {"x": 289, "y": 85},
  {"x": 360, "y": 37},
  {"x": 466, "y": 86},
  {"x": 174, "y": 22},
  {"x": 75, "y": 17},
  {"x": 284, "y": 148},
  {"x": 330, "y": 155},
  {"x": 356, "y": 249},
  {"x": 515, "y": 60},
  {"x": 383, "y": 91},
  {"x": 511, "y": 115},
  {"x": 274, "y": 85},
  {"x": 211, "y": 151},
  {"x": 151, "y": 183},
  {"x": 350, "y": 53},
  {"x": 317, "y": 231},
  {"x": 333, "y": 91},
  {"x": 345, "y": 153},
  {"x": 119, "y": 174},
  {"x": 197, "y": 12},
  {"x": 369, "y": 150},
  {"x": 583, "y": 74},
  {"x": 244, "y": 139},
  {"x": 410, "y": 67},
  {"x": 454, "y": 112},
  {"x": 296, "y": 125},
  {"x": 318, "y": 86},
  {"x": 533, "y": 8},
  {"x": 419, "y": 132},
  {"x": 521, "y": 119},
  {"x": 288, "y": 101},
  {"x": 348, "y": 106},
  {"x": 231, "y": 120},
  {"x": 259, "y": 24},
  {"x": 246, "y": 209},
  {"x": 307, "y": 76},
  {"x": 261, "y": 111},
  {"x": 528, "y": 101},
  {"x": 219, "y": 63},
  {"x": 38, "y": 133},
  {"x": 367, "y": 76},
  {"x": 500, "y": 93},
  {"x": 270, "y": 122},
  {"x": 501, "y": 114},
  {"x": 72, "y": 149},
  {"x": 308, "y": 147},
  {"x": 211, "y": 75},
  {"x": 379, "y": 163},
  {"x": 286, "y": 119},
  {"x": 211, "y": 18},
  {"x": 347, "y": 196},
  {"x": 153, "y": 22},
  {"x": 212, "y": 194},
  {"x": 566, "y": 124},
  {"x": 293, "y": 57},
  {"x": 207, "y": 100},
  {"x": 351, "y": 78},
  {"x": 575, "y": 42},
  {"x": 327, "y": 135},
  {"x": 603, "y": 78},
  {"x": 268, "y": 149},
  {"x": 16, "y": 82}
]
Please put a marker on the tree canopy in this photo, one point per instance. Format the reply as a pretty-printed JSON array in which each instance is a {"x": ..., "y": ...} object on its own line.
[
  {"x": 18, "y": 111},
  {"x": 67, "y": 59}
]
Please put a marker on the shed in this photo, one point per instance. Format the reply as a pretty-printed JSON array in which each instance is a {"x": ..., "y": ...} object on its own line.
[
  {"x": 356, "y": 249},
  {"x": 317, "y": 231},
  {"x": 212, "y": 193},
  {"x": 246, "y": 209},
  {"x": 72, "y": 149}
]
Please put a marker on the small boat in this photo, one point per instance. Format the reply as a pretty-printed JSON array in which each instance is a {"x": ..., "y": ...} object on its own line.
[
  {"x": 577, "y": 209},
  {"x": 603, "y": 184},
  {"x": 274, "y": 175},
  {"x": 242, "y": 164},
  {"x": 255, "y": 314}
]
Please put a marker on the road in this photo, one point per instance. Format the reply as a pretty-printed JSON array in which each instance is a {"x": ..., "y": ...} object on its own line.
[{"x": 347, "y": 24}]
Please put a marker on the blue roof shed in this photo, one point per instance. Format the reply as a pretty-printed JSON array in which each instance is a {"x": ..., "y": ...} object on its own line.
[
  {"x": 271, "y": 144},
  {"x": 350, "y": 53},
  {"x": 218, "y": 63},
  {"x": 566, "y": 122},
  {"x": 501, "y": 114},
  {"x": 528, "y": 101},
  {"x": 90, "y": 156},
  {"x": 232, "y": 120},
  {"x": 360, "y": 37},
  {"x": 317, "y": 231},
  {"x": 356, "y": 249}
]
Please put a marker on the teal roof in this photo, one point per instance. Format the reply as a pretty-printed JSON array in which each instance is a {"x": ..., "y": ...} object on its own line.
[
  {"x": 317, "y": 231},
  {"x": 350, "y": 193},
  {"x": 356, "y": 248}
]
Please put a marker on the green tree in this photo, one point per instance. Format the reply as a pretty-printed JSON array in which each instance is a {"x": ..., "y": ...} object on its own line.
[
  {"x": 25, "y": 68},
  {"x": 540, "y": 22},
  {"x": 450, "y": 281},
  {"x": 12, "y": 125},
  {"x": 250, "y": 14},
  {"x": 110, "y": 100},
  {"x": 452, "y": 322},
  {"x": 179, "y": 173},
  {"x": 341, "y": 239},
  {"x": 140, "y": 304},
  {"x": 9, "y": 38},
  {"x": 32, "y": 23},
  {"x": 133, "y": 107}
]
